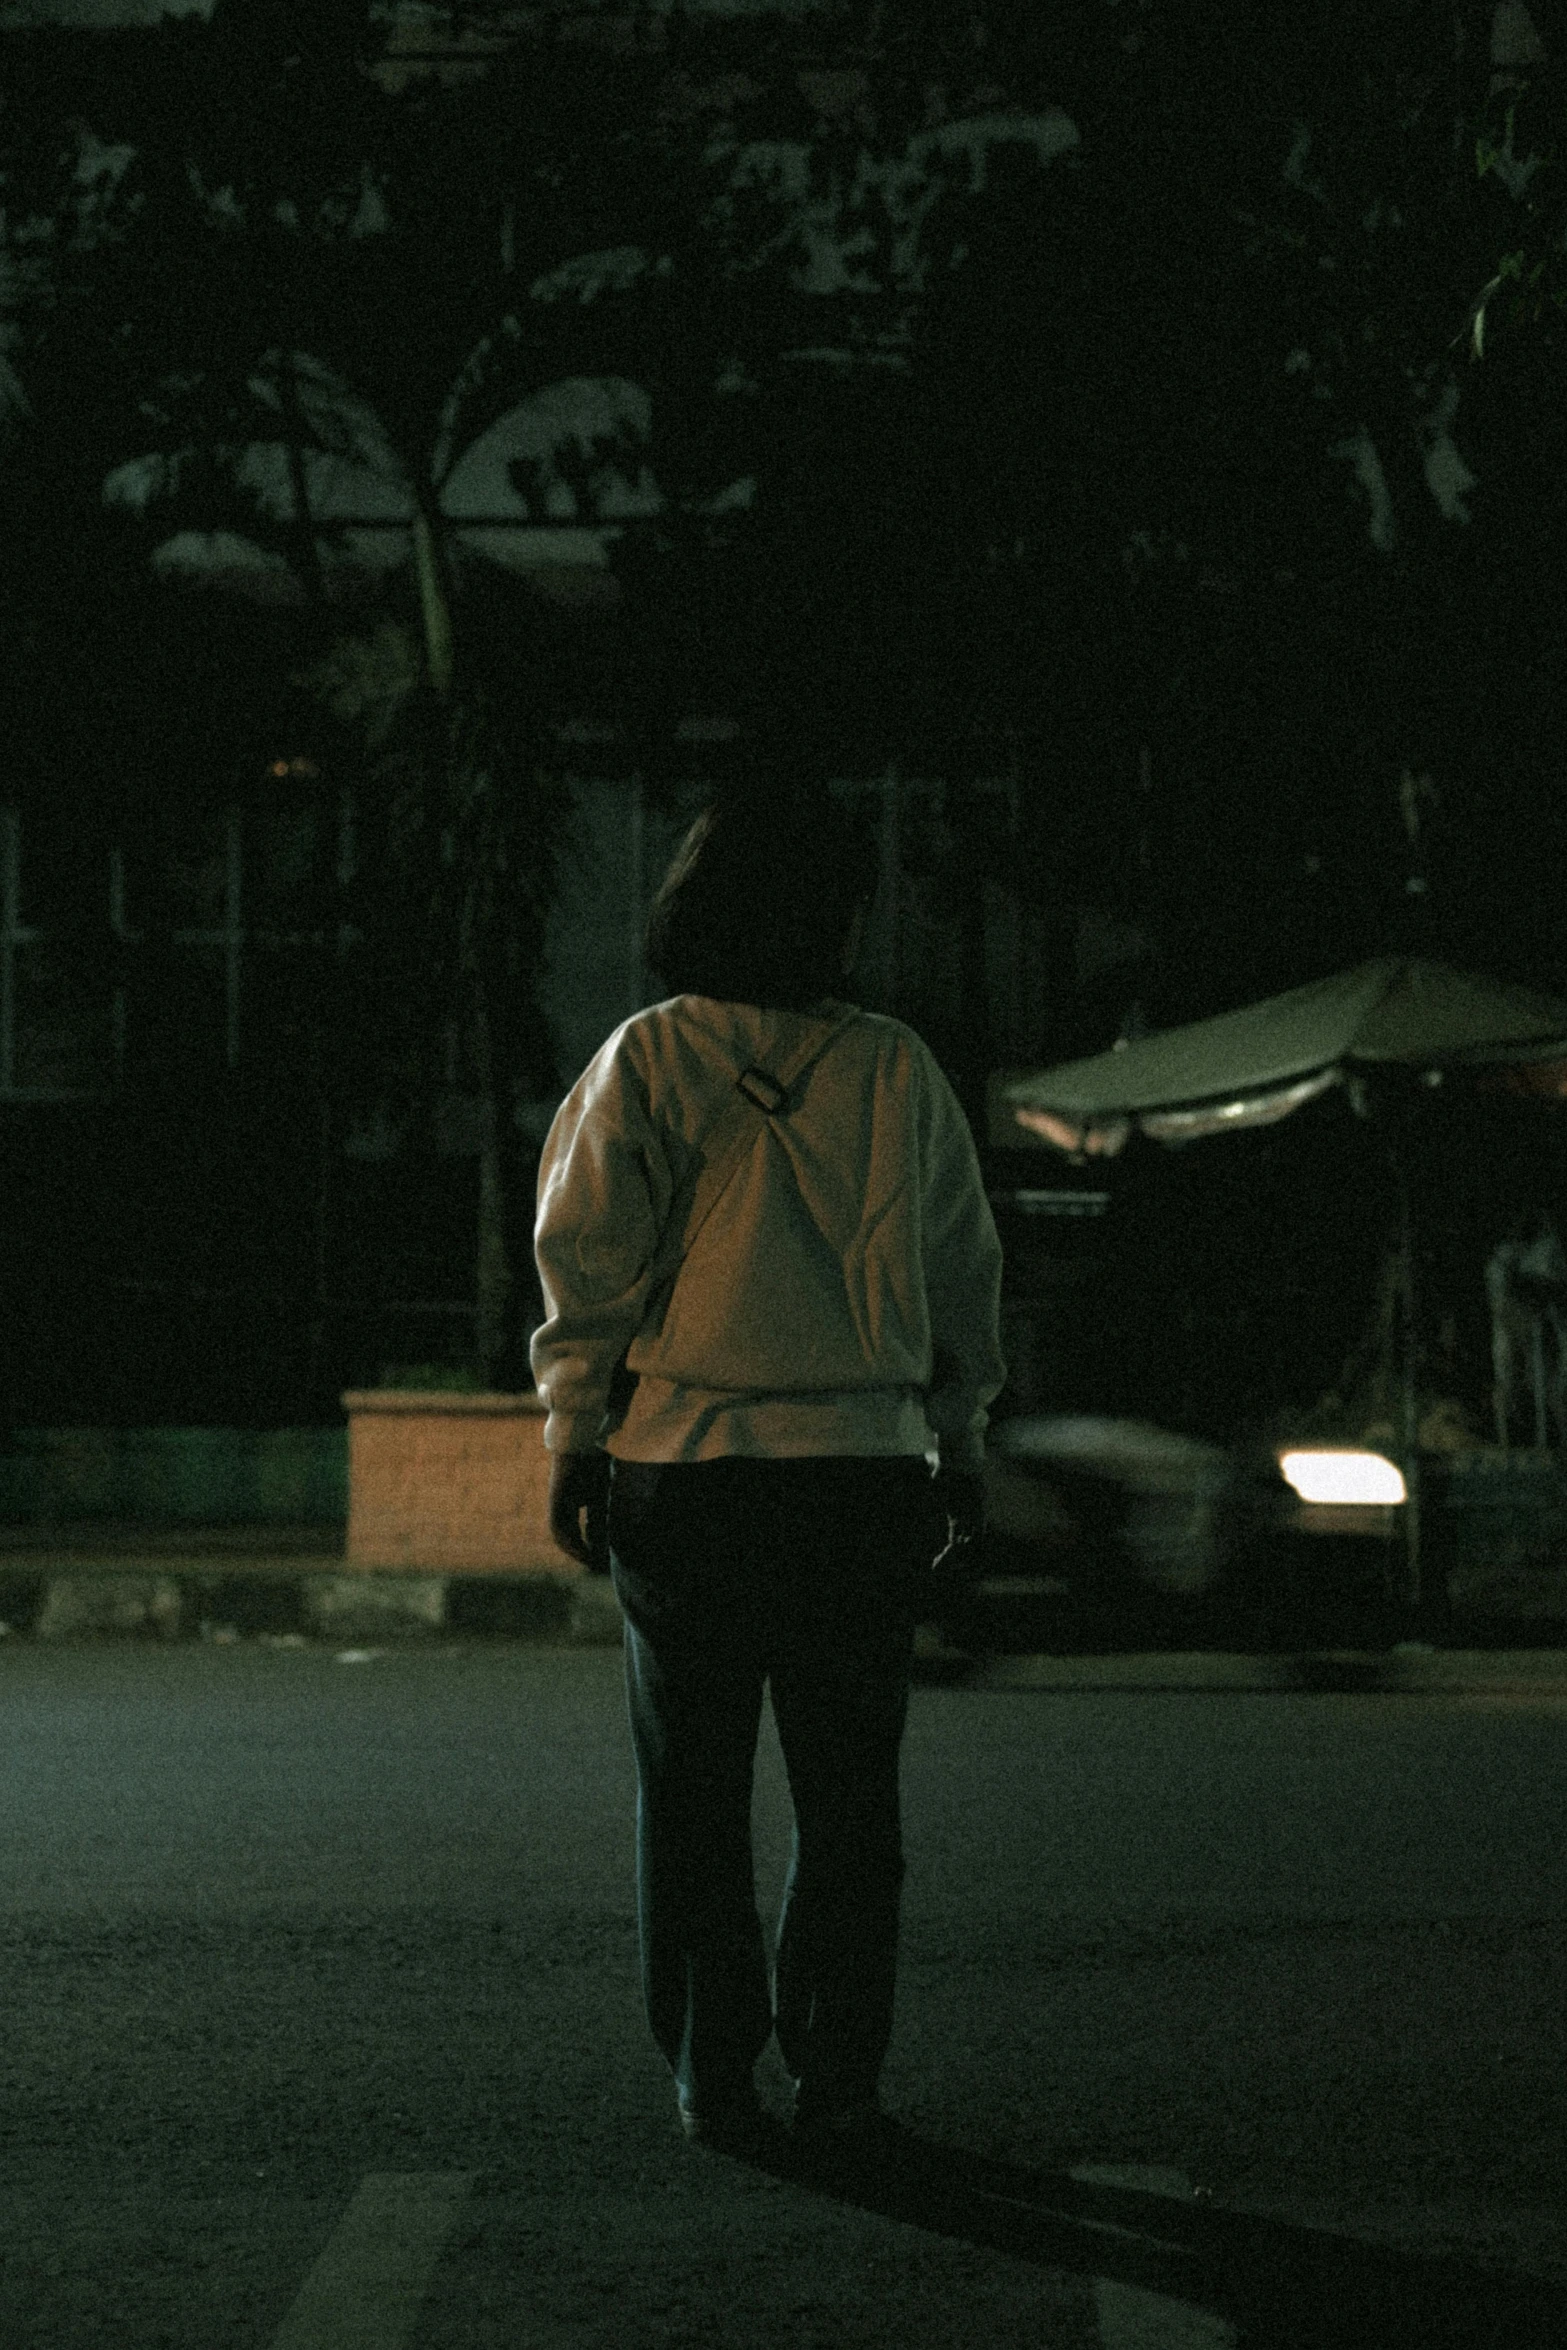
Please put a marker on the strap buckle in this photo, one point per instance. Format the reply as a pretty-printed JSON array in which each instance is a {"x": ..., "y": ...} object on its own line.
[{"x": 748, "y": 1082}]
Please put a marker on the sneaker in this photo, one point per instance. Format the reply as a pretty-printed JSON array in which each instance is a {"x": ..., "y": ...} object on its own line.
[
  {"x": 843, "y": 2149},
  {"x": 729, "y": 2125},
  {"x": 854, "y": 2126}
]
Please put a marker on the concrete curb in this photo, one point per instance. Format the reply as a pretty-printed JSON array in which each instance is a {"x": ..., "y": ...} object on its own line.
[
  {"x": 1408, "y": 1669},
  {"x": 210, "y": 1594},
  {"x": 214, "y": 1598}
]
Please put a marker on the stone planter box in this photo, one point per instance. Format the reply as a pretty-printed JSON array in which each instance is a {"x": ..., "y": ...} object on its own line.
[{"x": 441, "y": 1481}]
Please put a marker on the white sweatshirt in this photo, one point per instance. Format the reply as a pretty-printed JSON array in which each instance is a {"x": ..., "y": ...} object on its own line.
[{"x": 842, "y": 1296}]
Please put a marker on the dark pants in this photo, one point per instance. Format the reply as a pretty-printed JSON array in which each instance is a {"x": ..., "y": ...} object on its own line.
[{"x": 804, "y": 1574}]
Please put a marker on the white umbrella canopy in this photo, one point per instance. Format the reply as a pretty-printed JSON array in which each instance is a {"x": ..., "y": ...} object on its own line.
[{"x": 1252, "y": 1066}]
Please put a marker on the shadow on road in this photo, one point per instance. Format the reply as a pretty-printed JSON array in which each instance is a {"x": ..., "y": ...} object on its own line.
[{"x": 1278, "y": 2286}]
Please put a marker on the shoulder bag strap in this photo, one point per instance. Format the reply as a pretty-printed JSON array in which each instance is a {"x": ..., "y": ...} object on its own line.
[{"x": 756, "y": 1094}]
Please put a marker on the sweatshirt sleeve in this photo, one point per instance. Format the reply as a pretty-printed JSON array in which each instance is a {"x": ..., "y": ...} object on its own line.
[
  {"x": 962, "y": 1262},
  {"x": 604, "y": 1191}
]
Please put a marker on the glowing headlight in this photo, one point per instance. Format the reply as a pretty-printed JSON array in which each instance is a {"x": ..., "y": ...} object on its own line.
[{"x": 1356, "y": 1477}]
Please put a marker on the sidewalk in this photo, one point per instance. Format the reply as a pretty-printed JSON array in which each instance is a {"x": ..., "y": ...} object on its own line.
[{"x": 290, "y": 1584}]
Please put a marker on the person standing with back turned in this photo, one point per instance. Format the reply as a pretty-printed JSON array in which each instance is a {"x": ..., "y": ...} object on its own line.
[{"x": 771, "y": 1282}]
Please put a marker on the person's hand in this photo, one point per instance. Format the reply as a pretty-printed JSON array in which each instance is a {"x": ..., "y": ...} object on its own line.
[
  {"x": 960, "y": 1503},
  {"x": 579, "y": 1483}
]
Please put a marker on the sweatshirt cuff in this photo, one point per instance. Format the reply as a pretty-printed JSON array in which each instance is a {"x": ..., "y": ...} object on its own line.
[{"x": 573, "y": 1431}]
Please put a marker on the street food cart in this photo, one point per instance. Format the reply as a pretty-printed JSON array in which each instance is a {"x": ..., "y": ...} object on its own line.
[{"x": 1388, "y": 1031}]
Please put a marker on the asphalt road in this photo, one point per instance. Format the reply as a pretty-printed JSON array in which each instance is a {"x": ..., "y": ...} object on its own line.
[{"x": 1226, "y": 2018}]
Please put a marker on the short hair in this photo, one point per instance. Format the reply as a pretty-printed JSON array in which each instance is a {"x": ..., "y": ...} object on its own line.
[{"x": 757, "y": 903}]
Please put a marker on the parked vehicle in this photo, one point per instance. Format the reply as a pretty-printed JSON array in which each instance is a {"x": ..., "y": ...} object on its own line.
[{"x": 1116, "y": 1532}]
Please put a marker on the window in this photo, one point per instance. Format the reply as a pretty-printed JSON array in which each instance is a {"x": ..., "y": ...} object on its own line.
[
  {"x": 57, "y": 1001},
  {"x": 170, "y": 953}
]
